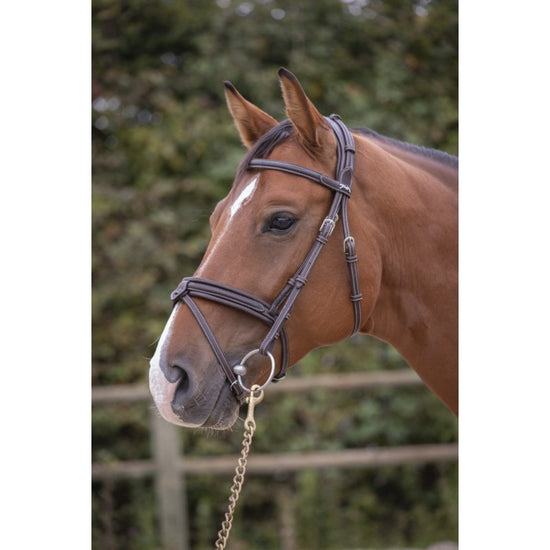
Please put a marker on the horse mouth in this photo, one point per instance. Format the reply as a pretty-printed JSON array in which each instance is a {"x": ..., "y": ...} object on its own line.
[
  {"x": 218, "y": 414},
  {"x": 221, "y": 418}
]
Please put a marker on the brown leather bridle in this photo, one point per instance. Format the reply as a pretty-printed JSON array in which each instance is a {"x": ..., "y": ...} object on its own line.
[{"x": 278, "y": 311}]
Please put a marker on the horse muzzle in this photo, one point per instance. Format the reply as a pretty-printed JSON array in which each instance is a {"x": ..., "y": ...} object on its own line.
[
  {"x": 185, "y": 401},
  {"x": 183, "y": 397}
]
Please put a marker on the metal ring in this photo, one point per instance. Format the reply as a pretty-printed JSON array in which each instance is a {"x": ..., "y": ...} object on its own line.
[{"x": 269, "y": 378}]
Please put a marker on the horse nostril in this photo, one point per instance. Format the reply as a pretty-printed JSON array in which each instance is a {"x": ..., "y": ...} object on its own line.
[
  {"x": 173, "y": 373},
  {"x": 184, "y": 383},
  {"x": 182, "y": 394}
]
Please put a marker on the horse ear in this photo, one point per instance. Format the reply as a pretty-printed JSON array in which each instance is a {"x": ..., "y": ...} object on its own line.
[
  {"x": 305, "y": 117},
  {"x": 251, "y": 121}
]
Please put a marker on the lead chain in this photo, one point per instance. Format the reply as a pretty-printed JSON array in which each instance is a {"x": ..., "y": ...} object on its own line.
[{"x": 249, "y": 428}]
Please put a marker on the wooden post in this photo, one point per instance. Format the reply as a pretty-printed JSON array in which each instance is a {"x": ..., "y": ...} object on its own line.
[
  {"x": 170, "y": 484},
  {"x": 287, "y": 523}
]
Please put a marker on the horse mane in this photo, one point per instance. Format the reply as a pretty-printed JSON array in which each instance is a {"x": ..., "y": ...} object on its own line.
[
  {"x": 263, "y": 147},
  {"x": 433, "y": 154}
]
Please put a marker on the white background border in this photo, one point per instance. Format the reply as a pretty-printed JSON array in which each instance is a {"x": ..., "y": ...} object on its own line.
[{"x": 45, "y": 179}]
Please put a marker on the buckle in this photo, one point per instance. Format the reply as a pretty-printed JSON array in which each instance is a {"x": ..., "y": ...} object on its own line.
[{"x": 331, "y": 223}]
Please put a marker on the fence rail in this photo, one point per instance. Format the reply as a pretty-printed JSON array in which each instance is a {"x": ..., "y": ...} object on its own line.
[
  {"x": 343, "y": 381},
  {"x": 275, "y": 463},
  {"x": 169, "y": 467}
]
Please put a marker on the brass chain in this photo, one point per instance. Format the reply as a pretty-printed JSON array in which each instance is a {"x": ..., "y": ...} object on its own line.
[{"x": 249, "y": 428}]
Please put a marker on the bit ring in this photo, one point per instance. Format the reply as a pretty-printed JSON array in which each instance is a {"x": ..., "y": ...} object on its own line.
[{"x": 242, "y": 371}]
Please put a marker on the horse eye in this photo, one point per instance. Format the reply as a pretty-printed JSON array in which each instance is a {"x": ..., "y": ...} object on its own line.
[{"x": 281, "y": 223}]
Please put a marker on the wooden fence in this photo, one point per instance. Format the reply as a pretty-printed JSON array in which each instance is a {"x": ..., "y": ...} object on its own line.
[{"x": 170, "y": 468}]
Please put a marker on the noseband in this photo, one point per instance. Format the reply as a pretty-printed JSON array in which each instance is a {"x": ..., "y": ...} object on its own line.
[{"x": 277, "y": 312}]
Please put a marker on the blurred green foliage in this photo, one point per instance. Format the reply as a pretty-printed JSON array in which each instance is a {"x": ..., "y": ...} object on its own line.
[{"x": 164, "y": 152}]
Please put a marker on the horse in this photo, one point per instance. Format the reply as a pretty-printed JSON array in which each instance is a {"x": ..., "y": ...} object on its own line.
[{"x": 275, "y": 282}]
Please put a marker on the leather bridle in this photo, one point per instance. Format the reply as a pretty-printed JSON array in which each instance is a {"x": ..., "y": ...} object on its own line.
[{"x": 278, "y": 311}]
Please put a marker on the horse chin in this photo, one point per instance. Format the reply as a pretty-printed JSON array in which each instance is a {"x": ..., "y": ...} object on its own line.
[
  {"x": 224, "y": 419},
  {"x": 223, "y": 414},
  {"x": 221, "y": 417}
]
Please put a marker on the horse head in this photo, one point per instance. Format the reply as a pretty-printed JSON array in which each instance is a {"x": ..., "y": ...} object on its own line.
[{"x": 263, "y": 232}]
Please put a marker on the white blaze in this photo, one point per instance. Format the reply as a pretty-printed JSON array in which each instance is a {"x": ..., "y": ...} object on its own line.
[
  {"x": 162, "y": 390},
  {"x": 245, "y": 195}
]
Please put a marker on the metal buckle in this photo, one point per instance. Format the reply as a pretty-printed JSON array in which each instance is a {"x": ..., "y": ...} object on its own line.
[{"x": 331, "y": 223}]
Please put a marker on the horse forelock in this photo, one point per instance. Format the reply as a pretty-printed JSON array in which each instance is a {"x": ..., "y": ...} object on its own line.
[{"x": 265, "y": 145}]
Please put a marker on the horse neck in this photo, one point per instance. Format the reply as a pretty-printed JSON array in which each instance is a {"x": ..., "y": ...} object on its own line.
[{"x": 408, "y": 204}]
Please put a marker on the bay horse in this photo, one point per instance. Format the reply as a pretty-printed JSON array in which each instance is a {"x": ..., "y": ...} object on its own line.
[{"x": 247, "y": 313}]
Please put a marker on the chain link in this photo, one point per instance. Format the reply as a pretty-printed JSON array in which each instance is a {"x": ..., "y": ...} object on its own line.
[{"x": 249, "y": 428}]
